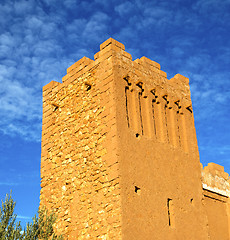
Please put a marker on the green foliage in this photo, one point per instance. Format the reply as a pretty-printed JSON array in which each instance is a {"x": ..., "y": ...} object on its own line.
[
  {"x": 40, "y": 229},
  {"x": 9, "y": 229}
]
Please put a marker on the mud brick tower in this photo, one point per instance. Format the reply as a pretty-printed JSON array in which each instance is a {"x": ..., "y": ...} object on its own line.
[{"x": 119, "y": 151}]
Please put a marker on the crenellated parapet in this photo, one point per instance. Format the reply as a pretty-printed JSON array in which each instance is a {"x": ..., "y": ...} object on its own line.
[
  {"x": 216, "y": 180},
  {"x": 156, "y": 107},
  {"x": 119, "y": 152}
]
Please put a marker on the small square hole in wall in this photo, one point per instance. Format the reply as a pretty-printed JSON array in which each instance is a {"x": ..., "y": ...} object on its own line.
[
  {"x": 88, "y": 86},
  {"x": 137, "y": 135},
  {"x": 189, "y": 109},
  {"x": 137, "y": 190},
  {"x": 55, "y": 107}
]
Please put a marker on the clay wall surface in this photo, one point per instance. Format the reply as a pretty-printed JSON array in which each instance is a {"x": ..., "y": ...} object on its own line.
[
  {"x": 216, "y": 200},
  {"x": 157, "y": 151},
  {"x": 119, "y": 153}
]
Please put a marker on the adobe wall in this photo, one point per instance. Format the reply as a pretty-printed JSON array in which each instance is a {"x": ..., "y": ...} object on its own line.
[
  {"x": 161, "y": 190},
  {"x": 216, "y": 190},
  {"x": 119, "y": 152}
]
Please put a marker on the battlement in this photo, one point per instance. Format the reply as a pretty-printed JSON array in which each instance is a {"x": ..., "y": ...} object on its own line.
[
  {"x": 215, "y": 179},
  {"x": 119, "y": 153},
  {"x": 112, "y": 41},
  {"x": 112, "y": 48},
  {"x": 155, "y": 106}
]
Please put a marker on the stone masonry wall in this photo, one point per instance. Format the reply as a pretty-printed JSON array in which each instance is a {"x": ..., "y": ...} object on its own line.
[{"x": 79, "y": 168}]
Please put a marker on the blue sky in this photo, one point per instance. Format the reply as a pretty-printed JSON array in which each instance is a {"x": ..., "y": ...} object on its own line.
[{"x": 39, "y": 39}]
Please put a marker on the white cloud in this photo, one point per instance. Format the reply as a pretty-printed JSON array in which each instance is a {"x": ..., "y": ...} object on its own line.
[
  {"x": 40, "y": 39},
  {"x": 34, "y": 23},
  {"x": 216, "y": 148},
  {"x": 125, "y": 8},
  {"x": 18, "y": 103},
  {"x": 96, "y": 28},
  {"x": 69, "y": 4},
  {"x": 22, "y": 7},
  {"x": 8, "y": 184},
  {"x": 208, "y": 6},
  {"x": 35, "y": 50},
  {"x": 24, "y": 217},
  {"x": 6, "y": 39}
]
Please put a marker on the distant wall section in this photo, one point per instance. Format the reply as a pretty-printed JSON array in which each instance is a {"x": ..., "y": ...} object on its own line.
[{"x": 216, "y": 192}]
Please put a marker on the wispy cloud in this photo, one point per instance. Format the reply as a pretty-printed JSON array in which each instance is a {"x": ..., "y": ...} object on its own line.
[
  {"x": 221, "y": 149},
  {"x": 125, "y": 8},
  {"x": 13, "y": 178},
  {"x": 211, "y": 6},
  {"x": 24, "y": 217},
  {"x": 37, "y": 44},
  {"x": 40, "y": 39},
  {"x": 8, "y": 184},
  {"x": 28, "y": 55}
]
